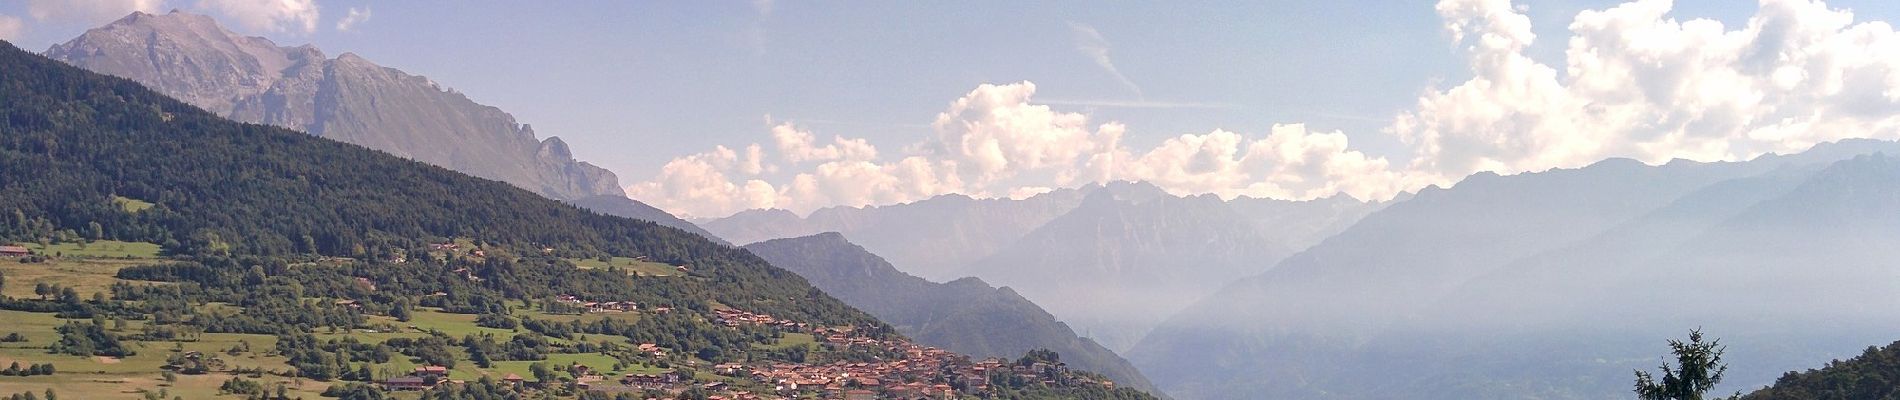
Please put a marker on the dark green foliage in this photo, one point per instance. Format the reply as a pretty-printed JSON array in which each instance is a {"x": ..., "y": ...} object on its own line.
[
  {"x": 222, "y": 188},
  {"x": 354, "y": 391},
  {"x": 330, "y": 359},
  {"x": 1875, "y": 374},
  {"x": 433, "y": 350},
  {"x": 31, "y": 370},
  {"x": 482, "y": 389},
  {"x": 496, "y": 320},
  {"x": 522, "y": 347},
  {"x": 239, "y": 385},
  {"x": 1698, "y": 368},
  {"x": 89, "y": 339}
]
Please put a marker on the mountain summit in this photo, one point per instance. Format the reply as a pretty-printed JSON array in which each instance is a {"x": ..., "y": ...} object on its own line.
[{"x": 347, "y": 98}]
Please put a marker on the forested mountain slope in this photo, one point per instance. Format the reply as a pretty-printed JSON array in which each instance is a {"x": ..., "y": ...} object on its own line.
[
  {"x": 966, "y": 315},
  {"x": 73, "y": 140}
]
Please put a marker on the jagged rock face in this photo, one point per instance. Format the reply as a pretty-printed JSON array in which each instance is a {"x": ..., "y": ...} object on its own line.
[{"x": 347, "y": 98}]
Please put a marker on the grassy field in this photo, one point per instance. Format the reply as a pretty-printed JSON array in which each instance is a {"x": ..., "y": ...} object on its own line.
[
  {"x": 91, "y": 268},
  {"x": 85, "y": 276},
  {"x": 127, "y": 378},
  {"x": 131, "y": 205},
  {"x": 791, "y": 339},
  {"x": 631, "y": 265},
  {"x": 97, "y": 249},
  {"x": 106, "y": 378}
]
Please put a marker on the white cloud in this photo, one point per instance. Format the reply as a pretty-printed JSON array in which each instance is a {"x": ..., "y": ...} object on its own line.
[
  {"x": 994, "y": 132},
  {"x": 797, "y": 146},
  {"x": 267, "y": 15},
  {"x": 995, "y": 137},
  {"x": 1091, "y": 43},
  {"x": 1638, "y": 83},
  {"x": 89, "y": 11},
  {"x": 763, "y": 7},
  {"x": 11, "y": 27},
  {"x": 353, "y": 17}
]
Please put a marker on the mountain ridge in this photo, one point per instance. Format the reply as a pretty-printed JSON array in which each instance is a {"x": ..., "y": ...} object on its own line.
[
  {"x": 966, "y": 315},
  {"x": 346, "y": 98}
]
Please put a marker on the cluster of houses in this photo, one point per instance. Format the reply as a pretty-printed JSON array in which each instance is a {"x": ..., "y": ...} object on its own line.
[
  {"x": 735, "y": 318},
  {"x": 914, "y": 372},
  {"x": 423, "y": 377}
]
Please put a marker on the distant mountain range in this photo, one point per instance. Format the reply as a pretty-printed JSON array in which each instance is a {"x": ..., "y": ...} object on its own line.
[
  {"x": 1110, "y": 260},
  {"x": 1557, "y": 284},
  {"x": 935, "y": 238},
  {"x": 967, "y": 315},
  {"x": 346, "y": 98}
]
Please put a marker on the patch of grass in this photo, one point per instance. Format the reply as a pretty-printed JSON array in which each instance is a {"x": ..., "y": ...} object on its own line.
[
  {"x": 791, "y": 340},
  {"x": 85, "y": 276},
  {"x": 632, "y": 266},
  {"x": 454, "y": 325},
  {"x": 131, "y": 205},
  {"x": 97, "y": 249}
]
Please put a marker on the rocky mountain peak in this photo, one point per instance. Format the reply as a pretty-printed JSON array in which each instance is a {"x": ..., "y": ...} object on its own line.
[{"x": 348, "y": 98}]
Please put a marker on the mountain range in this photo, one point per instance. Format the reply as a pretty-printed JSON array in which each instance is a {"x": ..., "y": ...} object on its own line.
[
  {"x": 1112, "y": 260},
  {"x": 346, "y": 98},
  {"x": 1557, "y": 284}
]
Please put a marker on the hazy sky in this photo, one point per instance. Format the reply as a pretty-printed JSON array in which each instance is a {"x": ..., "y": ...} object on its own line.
[{"x": 858, "y": 103}]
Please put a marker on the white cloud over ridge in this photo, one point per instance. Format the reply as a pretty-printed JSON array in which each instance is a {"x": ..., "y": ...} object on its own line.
[
  {"x": 1641, "y": 84},
  {"x": 297, "y": 16},
  {"x": 352, "y": 17},
  {"x": 995, "y": 141},
  {"x": 1636, "y": 82}
]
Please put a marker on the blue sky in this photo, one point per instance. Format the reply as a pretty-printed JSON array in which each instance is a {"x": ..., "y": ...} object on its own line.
[{"x": 633, "y": 85}]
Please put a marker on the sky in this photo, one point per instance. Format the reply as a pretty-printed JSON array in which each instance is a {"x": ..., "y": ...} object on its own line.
[{"x": 708, "y": 108}]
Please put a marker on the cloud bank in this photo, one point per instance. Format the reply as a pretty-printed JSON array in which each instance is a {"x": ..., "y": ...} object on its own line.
[
  {"x": 1636, "y": 82},
  {"x": 1641, "y": 84},
  {"x": 996, "y": 141}
]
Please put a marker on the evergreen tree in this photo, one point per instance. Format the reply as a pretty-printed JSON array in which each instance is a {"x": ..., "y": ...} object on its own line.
[{"x": 1699, "y": 367}]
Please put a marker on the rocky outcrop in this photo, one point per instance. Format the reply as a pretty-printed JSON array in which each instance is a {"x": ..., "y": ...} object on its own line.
[{"x": 347, "y": 98}]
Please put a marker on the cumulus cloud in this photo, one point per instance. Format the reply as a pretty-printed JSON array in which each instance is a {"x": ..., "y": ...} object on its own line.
[
  {"x": 11, "y": 27},
  {"x": 91, "y": 12},
  {"x": 1639, "y": 83},
  {"x": 268, "y": 15},
  {"x": 1091, "y": 43},
  {"x": 1635, "y": 82},
  {"x": 991, "y": 141},
  {"x": 798, "y": 146},
  {"x": 353, "y": 17}
]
